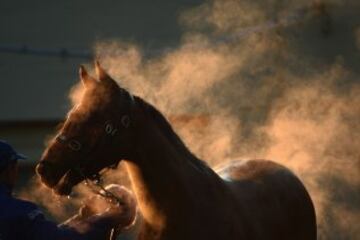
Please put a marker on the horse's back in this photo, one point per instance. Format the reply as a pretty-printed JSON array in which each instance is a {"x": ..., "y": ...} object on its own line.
[{"x": 272, "y": 198}]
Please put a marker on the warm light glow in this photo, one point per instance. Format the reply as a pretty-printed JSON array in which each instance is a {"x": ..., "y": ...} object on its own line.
[{"x": 261, "y": 97}]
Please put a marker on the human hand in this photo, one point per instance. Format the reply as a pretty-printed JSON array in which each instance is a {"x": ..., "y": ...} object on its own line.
[
  {"x": 115, "y": 204},
  {"x": 122, "y": 207}
]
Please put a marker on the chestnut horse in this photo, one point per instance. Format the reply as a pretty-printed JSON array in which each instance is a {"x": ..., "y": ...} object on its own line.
[{"x": 179, "y": 196}]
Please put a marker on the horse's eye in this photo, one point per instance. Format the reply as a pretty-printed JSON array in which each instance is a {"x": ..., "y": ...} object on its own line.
[{"x": 74, "y": 145}]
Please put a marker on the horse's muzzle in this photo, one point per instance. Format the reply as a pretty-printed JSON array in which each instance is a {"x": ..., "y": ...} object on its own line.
[{"x": 44, "y": 170}]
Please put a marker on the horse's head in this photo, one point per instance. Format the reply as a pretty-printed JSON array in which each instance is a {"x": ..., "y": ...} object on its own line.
[{"x": 95, "y": 135}]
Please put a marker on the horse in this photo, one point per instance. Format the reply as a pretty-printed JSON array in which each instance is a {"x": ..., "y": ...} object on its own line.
[{"x": 179, "y": 196}]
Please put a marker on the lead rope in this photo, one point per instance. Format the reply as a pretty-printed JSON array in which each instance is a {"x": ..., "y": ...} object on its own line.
[
  {"x": 96, "y": 182},
  {"x": 112, "y": 131},
  {"x": 109, "y": 195},
  {"x": 103, "y": 192},
  {"x": 125, "y": 120}
]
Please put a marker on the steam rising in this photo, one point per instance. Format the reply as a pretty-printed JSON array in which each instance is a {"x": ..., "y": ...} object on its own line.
[
  {"x": 290, "y": 94},
  {"x": 271, "y": 95}
]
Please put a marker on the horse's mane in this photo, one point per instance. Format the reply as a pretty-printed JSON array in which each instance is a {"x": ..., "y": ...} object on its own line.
[{"x": 171, "y": 135}]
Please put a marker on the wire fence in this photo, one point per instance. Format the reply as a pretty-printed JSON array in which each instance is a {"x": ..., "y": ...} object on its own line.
[{"x": 294, "y": 17}]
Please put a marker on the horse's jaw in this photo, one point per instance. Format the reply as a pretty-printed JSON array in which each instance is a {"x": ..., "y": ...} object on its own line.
[
  {"x": 62, "y": 185},
  {"x": 73, "y": 177},
  {"x": 68, "y": 182}
]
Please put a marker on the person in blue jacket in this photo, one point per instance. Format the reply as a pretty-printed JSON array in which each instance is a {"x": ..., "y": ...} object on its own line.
[{"x": 23, "y": 220}]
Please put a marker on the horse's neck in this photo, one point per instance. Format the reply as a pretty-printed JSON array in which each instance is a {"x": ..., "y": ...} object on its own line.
[{"x": 163, "y": 172}]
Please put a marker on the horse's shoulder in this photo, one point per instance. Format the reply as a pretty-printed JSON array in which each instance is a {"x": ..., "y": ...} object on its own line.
[{"x": 251, "y": 170}]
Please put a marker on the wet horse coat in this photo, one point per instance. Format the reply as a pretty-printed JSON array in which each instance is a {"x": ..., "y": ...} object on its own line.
[{"x": 179, "y": 196}]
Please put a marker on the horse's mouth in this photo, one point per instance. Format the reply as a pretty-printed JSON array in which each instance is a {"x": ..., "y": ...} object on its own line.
[
  {"x": 70, "y": 179},
  {"x": 63, "y": 182},
  {"x": 75, "y": 176},
  {"x": 62, "y": 185}
]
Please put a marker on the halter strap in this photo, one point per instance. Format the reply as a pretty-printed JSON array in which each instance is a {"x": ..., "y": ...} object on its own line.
[
  {"x": 111, "y": 130},
  {"x": 125, "y": 120}
]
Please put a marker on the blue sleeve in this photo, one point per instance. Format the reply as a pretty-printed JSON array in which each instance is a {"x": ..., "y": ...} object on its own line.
[{"x": 41, "y": 229}]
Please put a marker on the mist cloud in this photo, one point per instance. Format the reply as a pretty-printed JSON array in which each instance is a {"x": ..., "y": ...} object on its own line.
[{"x": 289, "y": 93}]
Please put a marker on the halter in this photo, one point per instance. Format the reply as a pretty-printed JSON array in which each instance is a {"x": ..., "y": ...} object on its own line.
[
  {"x": 111, "y": 131},
  {"x": 103, "y": 192}
]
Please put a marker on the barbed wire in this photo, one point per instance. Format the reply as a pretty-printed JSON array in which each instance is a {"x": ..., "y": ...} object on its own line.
[
  {"x": 63, "y": 52},
  {"x": 46, "y": 52}
]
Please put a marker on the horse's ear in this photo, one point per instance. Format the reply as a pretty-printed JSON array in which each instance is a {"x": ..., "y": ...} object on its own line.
[
  {"x": 86, "y": 79},
  {"x": 100, "y": 72},
  {"x": 103, "y": 77}
]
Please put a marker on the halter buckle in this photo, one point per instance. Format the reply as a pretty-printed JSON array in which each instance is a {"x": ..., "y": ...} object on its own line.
[{"x": 125, "y": 121}]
